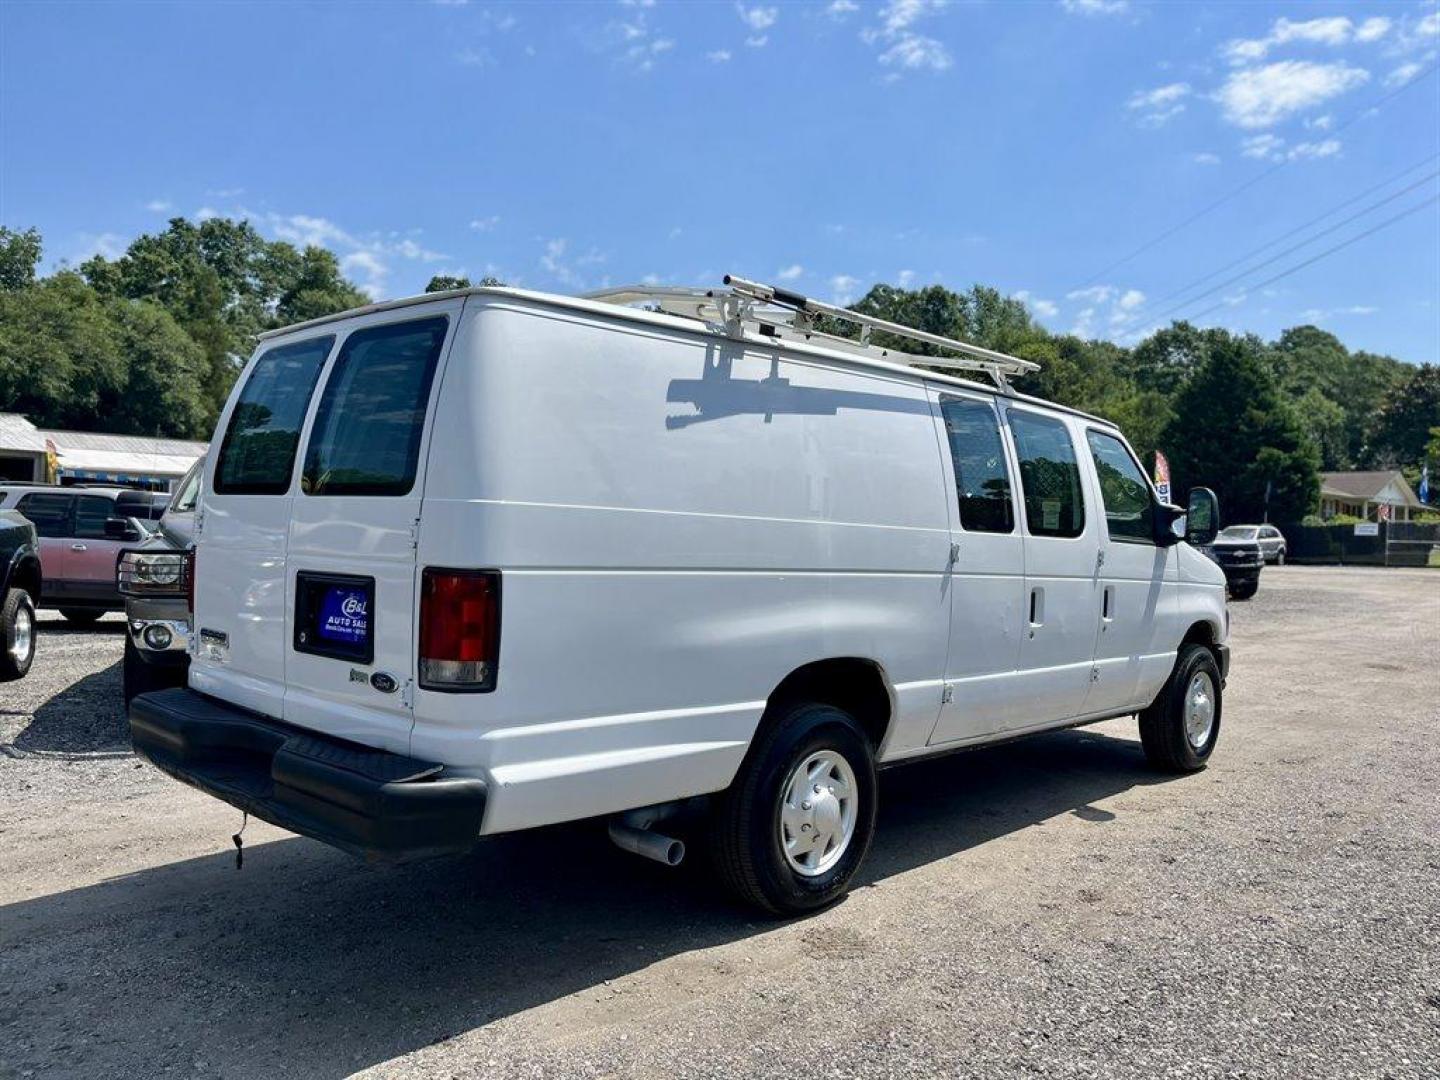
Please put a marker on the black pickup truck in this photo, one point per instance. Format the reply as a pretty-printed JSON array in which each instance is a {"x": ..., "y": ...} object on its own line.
[{"x": 19, "y": 588}]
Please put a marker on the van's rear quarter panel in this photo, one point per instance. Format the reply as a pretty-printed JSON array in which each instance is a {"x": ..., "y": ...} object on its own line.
[{"x": 680, "y": 522}]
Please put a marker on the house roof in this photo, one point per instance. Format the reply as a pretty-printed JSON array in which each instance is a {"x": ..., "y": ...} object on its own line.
[
  {"x": 1366, "y": 486},
  {"x": 17, "y": 433}
]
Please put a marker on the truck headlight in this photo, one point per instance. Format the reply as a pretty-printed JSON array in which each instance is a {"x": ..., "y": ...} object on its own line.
[{"x": 151, "y": 573}]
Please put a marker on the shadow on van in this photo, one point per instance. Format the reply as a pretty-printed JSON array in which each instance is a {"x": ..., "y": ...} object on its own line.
[
  {"x": 717, "y": 394},
  {"x": 310, "y": 963}
]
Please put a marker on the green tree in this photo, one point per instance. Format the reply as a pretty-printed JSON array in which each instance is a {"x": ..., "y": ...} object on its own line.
[
  {"x": 445, "y": 282},
  {"x": 1233, "y": 431},
  {"x": 19, "y": 252},
  {"x": 1408, "y": 412}
]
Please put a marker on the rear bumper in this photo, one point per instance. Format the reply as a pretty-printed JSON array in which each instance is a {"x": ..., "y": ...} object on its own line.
[{"x": 380, "y": 806}]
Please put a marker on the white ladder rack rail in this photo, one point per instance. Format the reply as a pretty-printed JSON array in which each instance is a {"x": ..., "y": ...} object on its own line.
[{"x": 780, "y": 313}]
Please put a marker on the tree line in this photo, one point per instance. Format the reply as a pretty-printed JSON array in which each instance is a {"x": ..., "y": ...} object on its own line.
[{"x": 149, "y": 342}]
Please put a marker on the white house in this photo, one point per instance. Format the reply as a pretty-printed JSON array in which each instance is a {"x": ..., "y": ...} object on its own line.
[{"x": 1377, "y": 495}]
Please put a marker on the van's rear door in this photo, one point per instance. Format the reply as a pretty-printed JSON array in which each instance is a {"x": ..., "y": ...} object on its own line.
[
  {"x": 351, "y": 574},
  {"x": 243, "y": 527}
]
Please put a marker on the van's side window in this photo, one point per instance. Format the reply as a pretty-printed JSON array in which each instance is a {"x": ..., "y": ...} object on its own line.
[
  {"x": 982, "y": 479},
  {"x": 366, "y": 438},
  {"x": 1049, "y": 475},
  {"x": 258, "y": 452},
  {"x": 1129, "y": 506}
]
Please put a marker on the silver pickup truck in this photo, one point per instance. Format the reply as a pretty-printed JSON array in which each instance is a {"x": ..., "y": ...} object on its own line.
[{"x": 154, "y": 578}]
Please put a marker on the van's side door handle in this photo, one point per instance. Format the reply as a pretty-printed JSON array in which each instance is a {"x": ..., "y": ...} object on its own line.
[
  {"x": 1037, "y": 609},
  {"x": 1107, "y": 607},
  {"x": 78, "y": 547}
]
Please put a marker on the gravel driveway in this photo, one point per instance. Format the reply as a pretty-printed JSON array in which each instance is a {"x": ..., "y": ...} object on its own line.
[{"x": 1045, "y": 908}]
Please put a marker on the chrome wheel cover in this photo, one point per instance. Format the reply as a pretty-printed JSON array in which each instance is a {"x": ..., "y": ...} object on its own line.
[
  {"x": 818, "y": 810},
  {"x": 22, "y": 640},
  {"x": 1200, "y": 709}
]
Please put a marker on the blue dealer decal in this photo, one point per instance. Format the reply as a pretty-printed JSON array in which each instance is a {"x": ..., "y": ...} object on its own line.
[{"x": 343, "y": 616}]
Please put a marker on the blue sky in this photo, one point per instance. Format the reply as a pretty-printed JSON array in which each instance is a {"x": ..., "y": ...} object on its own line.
[{"x": 1027, "y": 145}]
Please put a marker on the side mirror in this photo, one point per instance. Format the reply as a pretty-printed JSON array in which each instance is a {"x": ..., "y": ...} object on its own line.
[
  {"x": 1202, "y": 517},
  {"x": 121, "y": 529}
]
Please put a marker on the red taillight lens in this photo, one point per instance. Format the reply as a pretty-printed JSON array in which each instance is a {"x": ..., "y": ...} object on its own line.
[{"x": 459, "y": 629}]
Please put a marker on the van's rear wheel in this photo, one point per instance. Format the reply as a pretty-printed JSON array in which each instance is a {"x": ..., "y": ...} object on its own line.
[
  {"x": 1180, "y": 729},
  {"x": 795, "y": 825}
]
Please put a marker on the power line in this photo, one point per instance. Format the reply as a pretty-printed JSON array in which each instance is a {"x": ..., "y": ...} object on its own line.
[
  {"x": 1297, "y": 229},
  {"x": 1248, "y": 184},
  {"x": 1327, "y": 252},
  {"x": 1296, "y": 247}
]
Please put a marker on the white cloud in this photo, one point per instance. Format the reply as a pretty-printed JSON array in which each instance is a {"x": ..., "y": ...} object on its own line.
[
  {"x": 1095, "y": 7},
  {"x": 485, "y": 224},
  {"x": 365, "y": 262},
  {"x": 650, "y": 279},
  {"x": 1320, "y": 123},
  {"x": 159, "y": 206},
  {"x": 1324, "y": 149},
  {"x": 838, "y": 9},
  {"x": 632, "y": 42},
  {"x": 903, "y": 48},
  {"x": 1160, "y": 104},
  {"x": 476, "y": 58},
  {"x": 1320, "y": 315},
  {"x": 1262, "y": 97},
  {"x": 718, "y": 56},
  {"x": 1095, "y": 294},
  {"x": 757, "y": 41},
  {"x": 905, "y": 278},
  {"x": 1046, "y": 309},
  {"x": 1204, "y": 157},
  {"x": 1084, "y": 325},
  {"x": 564, "y": 268},
  {"x": 1402, "y": 74},
  {"x": 1270, "y": 147},
  {"x": 790, "y": 273},
  {"x": 1372, "y": 29},
  {"x": 1333, "y": 31},
  {"x": 1131, "y": 299},
  {"x": 205, "y": 213},
  {"x": 409, "y": 249},
  {"x": 108, "y": 245},
  {"x": 843, "y": 288},
  {"x": 1261, "y": 146},
  {"x": 758, "y": 18}
]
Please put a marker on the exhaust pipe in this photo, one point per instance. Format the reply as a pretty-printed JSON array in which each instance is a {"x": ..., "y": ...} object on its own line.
[{"x": 652, "y": 845}]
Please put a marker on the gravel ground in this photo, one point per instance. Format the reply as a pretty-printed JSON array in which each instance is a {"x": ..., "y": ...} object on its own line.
[{"x": 1046, "y": 908}]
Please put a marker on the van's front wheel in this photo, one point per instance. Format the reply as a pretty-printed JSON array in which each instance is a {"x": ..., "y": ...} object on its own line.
[
  {"x": 795, "y": 825},
  {"x": 1179, "y": 730}
]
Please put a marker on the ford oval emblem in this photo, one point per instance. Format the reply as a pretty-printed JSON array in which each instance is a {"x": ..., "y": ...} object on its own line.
[{"x": 384, "y": 682}]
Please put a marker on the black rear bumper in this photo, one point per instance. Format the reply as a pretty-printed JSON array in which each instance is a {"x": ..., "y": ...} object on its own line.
[{"x": 381, "y": 806}]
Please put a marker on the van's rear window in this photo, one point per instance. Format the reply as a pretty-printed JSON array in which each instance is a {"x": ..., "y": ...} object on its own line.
[
  {"x": 259, "y": 448},
  {"x": 366, "y": 436}
]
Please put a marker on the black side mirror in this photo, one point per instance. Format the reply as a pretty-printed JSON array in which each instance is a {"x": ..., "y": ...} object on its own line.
[
  {"x": 121, "y": 529},
  {"x": 1202, "y": 517}
]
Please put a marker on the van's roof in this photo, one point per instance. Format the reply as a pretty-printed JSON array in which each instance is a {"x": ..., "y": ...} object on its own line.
[{"x": 674, "y": 322}]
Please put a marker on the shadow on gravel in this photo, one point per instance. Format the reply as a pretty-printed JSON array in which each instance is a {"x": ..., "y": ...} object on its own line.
[
  {"x": 310, "y": 963},
  {"x": 86, "y": 717}
]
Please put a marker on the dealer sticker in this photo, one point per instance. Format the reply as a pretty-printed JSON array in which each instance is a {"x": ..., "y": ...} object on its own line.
[{"x": 343, "y": 616}]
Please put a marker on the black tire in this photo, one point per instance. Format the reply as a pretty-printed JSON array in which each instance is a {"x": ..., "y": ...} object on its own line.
[
  {"x": 1280, "y": 557},
  {"x": 17, "y": 613},
  {"x": 81, "y": 616},
  {"x": 139, "y": 677},
  {"x": 1163, "y": 730},
  {"x": 1244, "y": 590},
  {"x": 745, "y": 840}
]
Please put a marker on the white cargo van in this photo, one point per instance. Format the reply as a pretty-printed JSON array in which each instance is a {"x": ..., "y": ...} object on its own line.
[{"x": 491, "y": 559}]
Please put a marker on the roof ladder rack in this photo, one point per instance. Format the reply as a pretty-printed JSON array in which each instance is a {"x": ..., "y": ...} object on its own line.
[{"x": 776, "y": 312}]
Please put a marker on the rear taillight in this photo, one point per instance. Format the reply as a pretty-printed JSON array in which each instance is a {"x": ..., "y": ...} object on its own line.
[{"x": 459, "y": 629}]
